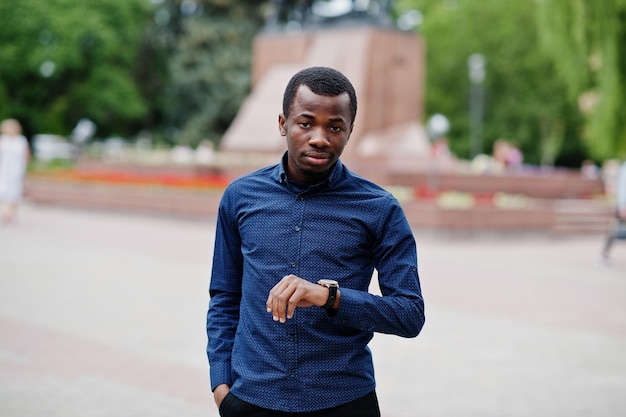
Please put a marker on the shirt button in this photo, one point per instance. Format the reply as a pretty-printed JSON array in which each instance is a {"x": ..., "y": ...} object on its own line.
[
  {"x": 292, "y": 375},
  {"x": 297, "y": 228},
  {"x": 293, "y": 264}
]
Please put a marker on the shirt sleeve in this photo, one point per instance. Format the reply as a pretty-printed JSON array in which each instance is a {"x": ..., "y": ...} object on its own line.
[
  {"x": 225, "y": 293},
  {"x": 400, "y": 309}
]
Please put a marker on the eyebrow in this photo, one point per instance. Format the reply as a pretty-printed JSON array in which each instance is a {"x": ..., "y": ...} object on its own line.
[{"x": 337, "y": 119}]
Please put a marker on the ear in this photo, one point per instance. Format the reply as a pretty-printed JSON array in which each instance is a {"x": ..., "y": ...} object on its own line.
[{"x": 281, "y": 125}]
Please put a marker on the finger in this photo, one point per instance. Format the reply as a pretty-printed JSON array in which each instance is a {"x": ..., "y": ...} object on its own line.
[
  {"x": 296, "y": 299},
  {"x": 293, "y": 302},
  {"x": 275, "y": 295},
  {"x": 283, "y": 303},
  {"x": 271, "y": 296},
  {"x": 269, "y": 303},
  {"x": 273, "y": 302},
  {"x": 288, "y": 297}
]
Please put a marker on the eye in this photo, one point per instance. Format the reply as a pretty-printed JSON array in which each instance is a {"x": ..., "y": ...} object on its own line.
[
  {"x": 304, "y": 124},
  {"x": 336, "y": 129}
]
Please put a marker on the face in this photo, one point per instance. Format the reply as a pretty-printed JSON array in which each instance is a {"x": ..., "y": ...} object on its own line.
[
  {"x": 10, "y": 128},
  {"x": 317, "y": 130}
]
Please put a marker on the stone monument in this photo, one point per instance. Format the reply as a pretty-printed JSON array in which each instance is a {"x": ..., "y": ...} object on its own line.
[{"x": 385, "y": 65}]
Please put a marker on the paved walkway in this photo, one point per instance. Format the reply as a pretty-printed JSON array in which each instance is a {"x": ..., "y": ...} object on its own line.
[{"x": 103, "y": 315}]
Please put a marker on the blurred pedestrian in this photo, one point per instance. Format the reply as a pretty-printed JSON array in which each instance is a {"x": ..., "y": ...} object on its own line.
[
  {"x": 514, "y": 158},
  {"x": 14, "y": 157},
  {"x": 589, "y": 170},
  {"x": 507, "y": 156},
  {"x": 618, "y": 231},
  {"x": 296, "y": 245},
  {"x": 500, "y": 155}
]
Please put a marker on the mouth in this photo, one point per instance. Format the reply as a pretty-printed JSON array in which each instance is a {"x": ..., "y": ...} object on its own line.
[{"x": 317, "y": 158}]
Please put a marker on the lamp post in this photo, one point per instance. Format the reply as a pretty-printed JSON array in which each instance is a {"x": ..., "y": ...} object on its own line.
[
  {"x": 476, "y": 66},
  {"x": 437, "y": 127}
]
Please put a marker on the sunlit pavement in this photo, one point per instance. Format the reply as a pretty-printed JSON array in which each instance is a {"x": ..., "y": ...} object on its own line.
[{"x": 103, "y": 315}]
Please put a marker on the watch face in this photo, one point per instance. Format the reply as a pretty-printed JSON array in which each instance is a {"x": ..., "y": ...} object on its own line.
[{"x": 328, "y": 283}]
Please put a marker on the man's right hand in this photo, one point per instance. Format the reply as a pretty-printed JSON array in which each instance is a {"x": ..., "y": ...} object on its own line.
[{"x": 219, "y": 393}]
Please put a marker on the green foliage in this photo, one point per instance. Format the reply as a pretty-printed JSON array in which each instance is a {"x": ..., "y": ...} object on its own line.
[
  {"x": 211, "y": 69},
  {"x": 131, "y": 66},
  {"x": 62, "y": 60},
  {"x": 523, "y": 92},
  {"x": 127, "y": 65},
  {"x": 586, "y": 41}
]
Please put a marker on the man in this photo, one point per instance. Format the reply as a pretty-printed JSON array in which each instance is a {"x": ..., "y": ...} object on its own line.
[
  {"x": 14, "y": 157},
  {"x": 290, "y": 315},
  {"x": 619, "y": 230}
]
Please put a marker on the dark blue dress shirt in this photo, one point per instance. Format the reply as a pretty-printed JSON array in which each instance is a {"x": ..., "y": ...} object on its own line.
[{"x": 340, "y": 229}]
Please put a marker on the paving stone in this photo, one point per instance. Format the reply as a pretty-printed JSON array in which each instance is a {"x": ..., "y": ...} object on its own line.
[{"x": 103, "y": 314}]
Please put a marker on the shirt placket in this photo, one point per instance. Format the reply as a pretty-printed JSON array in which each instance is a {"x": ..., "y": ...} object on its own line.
[{"x": 295, "y": 253}]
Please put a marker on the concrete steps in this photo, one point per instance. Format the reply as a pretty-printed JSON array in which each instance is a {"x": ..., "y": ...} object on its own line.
[
  {"x": 558, "y": 217},
  {"x": 580, "y": 217}
]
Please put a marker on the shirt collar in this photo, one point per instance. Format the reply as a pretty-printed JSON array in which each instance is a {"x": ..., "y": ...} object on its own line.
[{"x": 332, "y": 178}]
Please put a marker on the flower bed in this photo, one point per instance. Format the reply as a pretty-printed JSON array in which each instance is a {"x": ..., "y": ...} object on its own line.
[
  {"x": 214, "y": 182},
  {"x": 200, "y": 182}
]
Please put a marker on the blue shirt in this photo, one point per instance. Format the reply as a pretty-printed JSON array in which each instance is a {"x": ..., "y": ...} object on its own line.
[{"x": 341, "y": 229}]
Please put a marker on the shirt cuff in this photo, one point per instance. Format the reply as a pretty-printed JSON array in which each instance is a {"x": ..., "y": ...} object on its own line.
[
  {"x": 221, "y": 374},
  {"x": 350, "y": 309}
]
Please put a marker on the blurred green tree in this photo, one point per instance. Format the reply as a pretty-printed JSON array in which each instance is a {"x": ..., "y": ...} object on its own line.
[
  {"x": 524, "y": 94},
  {"x": 586, "y": 40},
  {"x": 62, "y": 60},
  {"x": 210, "y": 65}
]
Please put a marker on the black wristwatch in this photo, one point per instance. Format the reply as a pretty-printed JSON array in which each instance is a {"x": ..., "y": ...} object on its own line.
[{"x": 332, "y": 286}]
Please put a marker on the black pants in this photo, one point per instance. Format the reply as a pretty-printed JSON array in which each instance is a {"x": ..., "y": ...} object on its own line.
[{"x": 366, "y": 406}]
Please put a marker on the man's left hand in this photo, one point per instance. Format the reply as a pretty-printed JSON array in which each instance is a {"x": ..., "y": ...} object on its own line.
[{"x": 292, "y": 292}]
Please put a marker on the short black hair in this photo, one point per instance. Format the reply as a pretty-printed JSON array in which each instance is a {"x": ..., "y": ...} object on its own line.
[{"x": 322, "y": 81}]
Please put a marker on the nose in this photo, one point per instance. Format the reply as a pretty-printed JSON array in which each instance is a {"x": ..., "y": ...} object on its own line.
[{"x": 319, "y": 138}]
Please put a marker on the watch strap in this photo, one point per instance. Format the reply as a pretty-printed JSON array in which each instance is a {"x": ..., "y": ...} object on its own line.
[{"x": 332, "y": 297}]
